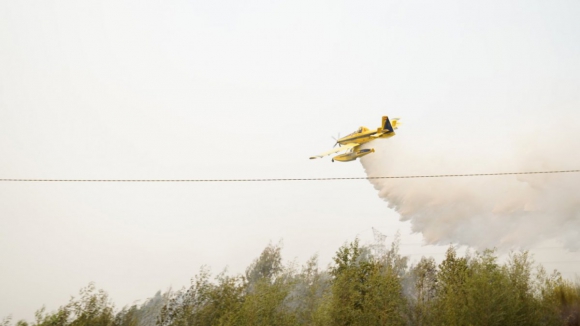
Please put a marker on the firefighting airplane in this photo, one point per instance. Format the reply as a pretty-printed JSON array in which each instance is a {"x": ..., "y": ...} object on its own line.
[{"x": 351, "y": 143}]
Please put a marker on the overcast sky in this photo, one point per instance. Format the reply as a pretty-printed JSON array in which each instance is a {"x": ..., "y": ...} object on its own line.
[{"x": 243, "y": 89}]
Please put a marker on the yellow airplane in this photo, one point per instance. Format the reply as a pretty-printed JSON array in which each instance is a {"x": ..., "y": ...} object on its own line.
[{"x": 351, "y": 143}]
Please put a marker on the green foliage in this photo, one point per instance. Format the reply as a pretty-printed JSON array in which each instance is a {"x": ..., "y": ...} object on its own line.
[
  {"x": 568, "y": 302},
  {"x": 256, "y": 299},
  {"x": 92, "y": 308},
  {"x": 366, "y": 290},
  {"x": 267, "y": 267},
  {"x": 365, "y": 285},
  {"x": 451, "y": 303},
  {"x": 559, "y": 299},
  {"x": 522, "y": 307},
  {"x": 487, "y": 291},
  {"x": 204, "y": 303},
  {"x": 264, "y": 305},
  {"x": 422, "y": 290},
  {"x": 309, "y": 290}
]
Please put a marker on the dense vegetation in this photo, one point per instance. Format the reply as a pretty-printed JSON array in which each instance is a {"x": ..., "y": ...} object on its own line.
[{"x": 365, "y": 285}]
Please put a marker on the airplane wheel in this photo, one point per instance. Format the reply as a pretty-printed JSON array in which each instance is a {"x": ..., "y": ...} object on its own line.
[{"x": 332, "y": 161}]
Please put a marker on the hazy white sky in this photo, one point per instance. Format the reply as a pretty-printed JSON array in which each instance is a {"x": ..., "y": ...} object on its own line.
[{"x": 240, "y": 89}]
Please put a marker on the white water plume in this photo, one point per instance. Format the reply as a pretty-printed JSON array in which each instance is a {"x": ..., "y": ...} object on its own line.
[{"x": 515, "y": 211}]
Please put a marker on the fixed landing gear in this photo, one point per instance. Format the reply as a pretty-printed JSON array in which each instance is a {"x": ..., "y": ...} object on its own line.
[{"x": 332, "y": 160}]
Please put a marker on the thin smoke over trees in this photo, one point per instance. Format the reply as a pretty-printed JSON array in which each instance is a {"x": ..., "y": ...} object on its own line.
[{"x": 365, "y": 285}]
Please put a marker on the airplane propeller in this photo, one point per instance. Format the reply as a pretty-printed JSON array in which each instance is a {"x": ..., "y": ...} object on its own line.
[{"x": 336, "y": 140}]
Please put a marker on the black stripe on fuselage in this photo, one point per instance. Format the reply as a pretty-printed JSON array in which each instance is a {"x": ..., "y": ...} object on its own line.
[{"x": 361, "y": 136}]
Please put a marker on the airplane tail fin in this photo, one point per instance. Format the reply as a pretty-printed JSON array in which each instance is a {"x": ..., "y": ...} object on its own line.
[{"x": 387, "y": 124}]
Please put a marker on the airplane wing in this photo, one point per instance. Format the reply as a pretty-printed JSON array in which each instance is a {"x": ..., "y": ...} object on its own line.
[{"x": 335, "y": 150}]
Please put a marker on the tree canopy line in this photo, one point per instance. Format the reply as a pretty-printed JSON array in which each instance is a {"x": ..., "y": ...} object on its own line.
[{"x": 365, "y": 285}]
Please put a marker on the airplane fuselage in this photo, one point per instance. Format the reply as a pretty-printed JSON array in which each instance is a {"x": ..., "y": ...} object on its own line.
[
  {"x": 352, "y": 143},
  {"x": 363, "y": 135}
]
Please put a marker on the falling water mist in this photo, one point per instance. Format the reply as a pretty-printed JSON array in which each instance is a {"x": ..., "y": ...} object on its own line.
[{"x": 514, "y": 211}]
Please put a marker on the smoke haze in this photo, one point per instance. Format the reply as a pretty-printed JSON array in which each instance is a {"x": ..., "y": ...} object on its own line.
[{"x": 483, "y": 212}]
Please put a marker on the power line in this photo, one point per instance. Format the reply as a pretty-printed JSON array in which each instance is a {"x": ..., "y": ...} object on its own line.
[{"x": 292, "y": 179}]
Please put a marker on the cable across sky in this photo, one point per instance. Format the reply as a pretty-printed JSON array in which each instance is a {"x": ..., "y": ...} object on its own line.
[{"x": 295, "y": 179}]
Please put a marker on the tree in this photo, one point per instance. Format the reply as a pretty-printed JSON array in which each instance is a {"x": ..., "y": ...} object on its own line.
[
  {"x": 522, "y": 307},
  {"x": 93, "y": 308},
  {"x": 422, "y": 284},
  {"x": 451, "y": 303},
  {"x": 309, "y": 291},
  {"x": 488, "y": 291},
  {"x": 266, "y": 267},
  {"x": 267, "y": 286},
  {"x": 366, "y": 290},
  {"x": 204, "y": 302}
]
